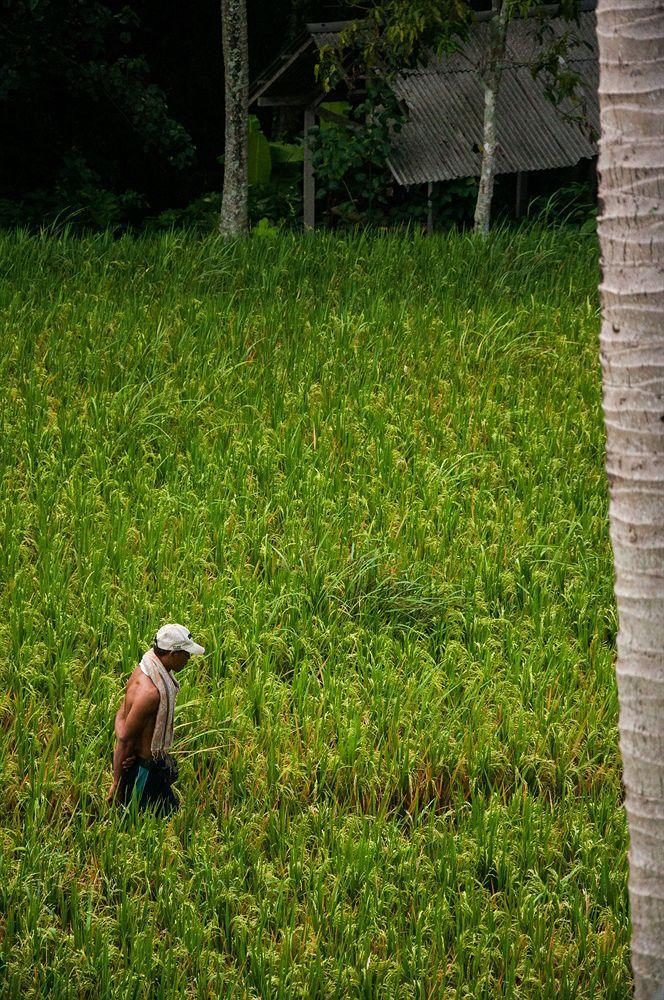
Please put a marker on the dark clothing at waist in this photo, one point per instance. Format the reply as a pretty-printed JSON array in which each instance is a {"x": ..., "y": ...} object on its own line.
[{"x": 149, "y": 782}]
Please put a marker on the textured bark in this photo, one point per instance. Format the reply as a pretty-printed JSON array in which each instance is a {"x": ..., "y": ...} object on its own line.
[
  {"x": 491, "y": 77},
  {"x": 308, "y": 176},
  {"x": 631, "y": 230},
  {"x": 233, "y": 219}
]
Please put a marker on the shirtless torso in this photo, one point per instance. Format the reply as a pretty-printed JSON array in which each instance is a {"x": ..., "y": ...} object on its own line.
[
  {"x": 140, "y": 692},
  {"x": 134, "y": 725}
]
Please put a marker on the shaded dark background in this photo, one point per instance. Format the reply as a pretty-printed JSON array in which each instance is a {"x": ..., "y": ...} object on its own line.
[
  {"x": 123, "y": 99},
  {"x": 112, "y": 112}
]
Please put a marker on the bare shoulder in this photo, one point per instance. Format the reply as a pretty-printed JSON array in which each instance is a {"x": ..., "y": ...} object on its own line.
[
  {"x": 141, "y": 691},
  {"x": 146, "y": 691}
]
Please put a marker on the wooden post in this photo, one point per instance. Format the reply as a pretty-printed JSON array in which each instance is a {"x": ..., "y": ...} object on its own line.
[
  {"x": 309, "y": 180},
  {"x": 521, "y": 189},
  {"x": 429, "y": 208}
]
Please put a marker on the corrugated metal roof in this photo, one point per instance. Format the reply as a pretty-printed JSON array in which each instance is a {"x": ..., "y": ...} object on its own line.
[
  {"x": 322, "y": 38},
  {"x": 523, "y": 43},
  {"x": 443, "y": 135},
  {"x": 522, "y": 38},
  {"x": 326, "y": 32}
]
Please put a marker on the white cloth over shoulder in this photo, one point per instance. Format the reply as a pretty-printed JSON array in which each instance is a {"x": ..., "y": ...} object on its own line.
[{"x": 168, "y": 688}]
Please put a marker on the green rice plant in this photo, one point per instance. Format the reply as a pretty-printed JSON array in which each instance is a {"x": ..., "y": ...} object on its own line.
[{"x": 368, "y": 472}]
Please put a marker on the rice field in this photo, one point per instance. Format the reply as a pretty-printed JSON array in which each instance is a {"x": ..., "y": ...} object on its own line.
[{"x": 367, "y": 472}]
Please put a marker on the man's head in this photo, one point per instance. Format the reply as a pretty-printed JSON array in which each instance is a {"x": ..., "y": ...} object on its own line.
[{"x": 173, "y": 645}]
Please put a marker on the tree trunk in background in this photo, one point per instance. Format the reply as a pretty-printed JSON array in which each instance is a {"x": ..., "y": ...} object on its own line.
[
  {"x": 233, "y": 221},
  {"x": 631, "y": 231},
  {"x": 491, "y": 78}
]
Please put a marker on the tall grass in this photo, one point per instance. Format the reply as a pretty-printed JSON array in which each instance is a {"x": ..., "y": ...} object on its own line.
[{"x": 367, "y": 472}]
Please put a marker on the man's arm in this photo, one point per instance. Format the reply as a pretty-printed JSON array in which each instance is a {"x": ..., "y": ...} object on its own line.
[{"x": 129, "y": 732}]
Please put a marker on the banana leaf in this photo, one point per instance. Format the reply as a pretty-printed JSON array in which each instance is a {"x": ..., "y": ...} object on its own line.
[{"x": 286, "y": 152}]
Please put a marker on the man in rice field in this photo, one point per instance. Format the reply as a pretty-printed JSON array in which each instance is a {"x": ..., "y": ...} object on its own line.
[{"x": 143, "y": 771}]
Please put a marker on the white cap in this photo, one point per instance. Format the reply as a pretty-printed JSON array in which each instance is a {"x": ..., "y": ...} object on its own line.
[{"x": 176, "y": 637}]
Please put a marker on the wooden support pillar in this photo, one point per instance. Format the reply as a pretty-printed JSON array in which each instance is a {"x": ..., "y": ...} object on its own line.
[
  {"x": 429, "y": 208},
  {"x": 309, "y": 180},
  {"x": 521, "y": 193}
]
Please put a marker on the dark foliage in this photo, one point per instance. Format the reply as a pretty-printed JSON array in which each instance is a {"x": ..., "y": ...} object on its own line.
[
  {"x": 84, "y": 125},
  {"x": 112, "y": 112}
]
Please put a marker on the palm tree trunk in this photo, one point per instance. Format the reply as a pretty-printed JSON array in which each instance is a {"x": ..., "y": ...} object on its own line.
[
  {"x": 491, "y": 77},
  {"x": 233, "y": 219},
  {"x": 631, "y": 33}
]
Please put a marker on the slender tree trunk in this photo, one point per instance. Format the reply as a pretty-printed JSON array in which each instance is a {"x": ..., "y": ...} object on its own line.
[
  {"x": 631, "y": 231},
  {"x": 491, "y": 77},
  {"x": 233, "y": 221}
]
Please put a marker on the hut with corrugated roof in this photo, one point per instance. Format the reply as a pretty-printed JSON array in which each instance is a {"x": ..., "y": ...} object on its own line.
[{"x": 444, "y": 104}]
